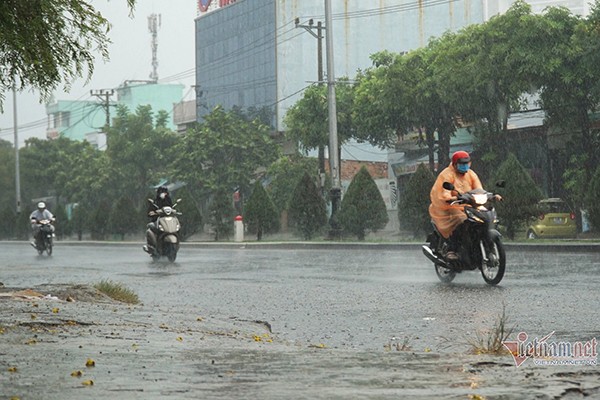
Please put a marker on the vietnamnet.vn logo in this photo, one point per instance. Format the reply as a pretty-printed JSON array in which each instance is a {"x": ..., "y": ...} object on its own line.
[
  {"x": 545, "y": 352},
  {"x": 203, "y": 4}
]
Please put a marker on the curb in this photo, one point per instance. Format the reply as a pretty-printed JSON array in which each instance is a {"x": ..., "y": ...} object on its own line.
[{"x": 288, "y": 245}]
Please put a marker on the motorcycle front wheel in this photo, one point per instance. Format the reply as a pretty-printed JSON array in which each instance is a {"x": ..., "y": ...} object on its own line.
[
  {"x": 492, "y": 270},
  {"x": 171, "y": 251},
  {"x": 49, "y": 247},
  {"x": 444, "y": 274}
]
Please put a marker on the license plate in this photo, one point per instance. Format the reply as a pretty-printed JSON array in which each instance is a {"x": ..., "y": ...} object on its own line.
[{"x": 558, "y": 221}]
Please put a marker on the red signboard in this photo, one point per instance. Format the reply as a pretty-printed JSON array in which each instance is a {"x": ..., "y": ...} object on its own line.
[{"x": 204, "y": 4}]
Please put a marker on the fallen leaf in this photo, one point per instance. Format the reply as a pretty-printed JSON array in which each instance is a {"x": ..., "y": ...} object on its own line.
[
  {"x": 33, "y": 316},
  {"x": 55, "y": 310},
  {"x": 12, "y": 369},
  {"x": 88, "y": 382},
  {"x": 179, "y": 339},
  {"x": 90, "y": 363},
  {"x": 76, "y": 373}
]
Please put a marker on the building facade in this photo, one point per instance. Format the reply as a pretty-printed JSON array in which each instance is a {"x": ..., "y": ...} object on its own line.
[
  {"x": 85, "y": 120},
  {"x": 251, "y": 53}
]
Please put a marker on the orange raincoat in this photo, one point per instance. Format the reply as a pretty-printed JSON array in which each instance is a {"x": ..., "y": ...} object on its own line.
[{"x": 446, "y": 217}]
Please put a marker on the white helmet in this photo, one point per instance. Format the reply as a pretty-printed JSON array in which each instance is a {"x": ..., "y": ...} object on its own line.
[{"x": 41, "y": 205}]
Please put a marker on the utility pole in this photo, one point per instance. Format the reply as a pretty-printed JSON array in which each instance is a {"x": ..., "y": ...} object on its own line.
[
  {"x": 319, "y": 36},
  {"x": 334, "y": 161},
  {"x": 17, "y": 172},
  {"x": 104, "y": 95}
]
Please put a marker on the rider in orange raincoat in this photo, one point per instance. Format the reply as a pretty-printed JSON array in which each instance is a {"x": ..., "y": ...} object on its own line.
[{"x": 448, "y": 217}]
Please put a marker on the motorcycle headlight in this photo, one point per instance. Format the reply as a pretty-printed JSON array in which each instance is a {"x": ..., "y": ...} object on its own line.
[
  {"x": 160, "y": 227},
  {"x": 473, "y": 216},
  {"x": 480, "y": 198}
]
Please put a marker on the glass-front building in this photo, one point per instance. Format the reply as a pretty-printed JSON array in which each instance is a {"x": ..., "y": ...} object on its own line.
[{"x": 251, "y": 53}]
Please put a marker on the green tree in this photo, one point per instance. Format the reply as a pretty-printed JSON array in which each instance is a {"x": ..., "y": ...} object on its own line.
[
  {"x": 381, "y": 101},
  {"x": 307, "y": 208},
  {"x": 140, "y": 149},
  {"x": 224, "y": 152},
  {"x": 260, "y": 213},
  {"x": 221, "y": 214},
  {"x": 123, "y": 218},
  {"x": 592, "y": 201},
  {"x": 62, "y": 222},
  {"x": 520, "y": 196},
  {"x": 46, "y": 43},
  {"x": 363, "y": 208},
  {"x": 413, "y": 209},
  {"x": 284, "y": 174},
  {"x": 191, "y": 219},
  {"x": 307, "y": 121},
  {"x": 9, "y": 219}
]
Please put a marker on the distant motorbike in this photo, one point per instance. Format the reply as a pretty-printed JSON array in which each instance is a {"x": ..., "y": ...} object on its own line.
[
  {"x": 45, "y": 238},
  {"x": 480, "y": 244},
  {"x": 163, "y": 235}
]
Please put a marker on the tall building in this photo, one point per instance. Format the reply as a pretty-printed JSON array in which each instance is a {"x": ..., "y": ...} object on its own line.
[{"x": 250, "y": 53}]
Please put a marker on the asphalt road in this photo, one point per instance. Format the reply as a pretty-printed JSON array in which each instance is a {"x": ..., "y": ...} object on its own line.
[{"x": 350, "y": 304}]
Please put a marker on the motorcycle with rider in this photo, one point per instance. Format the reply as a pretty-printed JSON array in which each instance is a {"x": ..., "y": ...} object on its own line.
[
  {"x": 162, "y": 234},
  {"x": 42, "y": 226},
  {"x": 465, "y": 235}
]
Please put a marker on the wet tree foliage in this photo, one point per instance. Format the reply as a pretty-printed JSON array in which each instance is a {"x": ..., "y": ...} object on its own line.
[
  {"x": 307, "y": 208},
  {"x": 45, "y": 44},
  {"x": 363, "y": 208},
  {"x": 473, "y": 78},
  {"x": 413, "y": 208},
  {"x": 260, "y": 214}
]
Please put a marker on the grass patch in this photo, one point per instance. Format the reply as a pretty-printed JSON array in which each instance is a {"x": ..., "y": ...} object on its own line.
[
  {"x": 490, "y": 341},
  {"x": 117, "y": 291}
]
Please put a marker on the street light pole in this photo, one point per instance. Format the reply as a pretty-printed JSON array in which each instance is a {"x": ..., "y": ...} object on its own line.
[{"x": 334, "y": 162}]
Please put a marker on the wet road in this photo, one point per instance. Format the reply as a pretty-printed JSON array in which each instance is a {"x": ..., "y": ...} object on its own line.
[{"x": 357, "y": 299}]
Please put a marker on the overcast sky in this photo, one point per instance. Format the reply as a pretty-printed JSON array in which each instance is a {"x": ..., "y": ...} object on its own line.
[{"x": 130, "y": 59}]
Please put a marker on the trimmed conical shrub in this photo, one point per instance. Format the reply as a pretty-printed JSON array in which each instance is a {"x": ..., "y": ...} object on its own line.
[
  {"x": 363, "y": 208},
  {"x": 260, "y": 213},
  {"x": 307, "y": 208},
  {"x": 520, "y": 195},
  {"x": 413, "y": 208}
]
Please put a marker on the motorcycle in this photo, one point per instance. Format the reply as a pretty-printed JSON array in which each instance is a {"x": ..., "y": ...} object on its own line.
[
  {"x": 163, "y": 234},
  {"x": 45, "y": 238},
  {"x": 480, "y": 242}
]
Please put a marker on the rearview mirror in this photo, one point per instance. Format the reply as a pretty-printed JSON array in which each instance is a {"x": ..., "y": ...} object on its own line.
[{"x": 448, "y": 186}]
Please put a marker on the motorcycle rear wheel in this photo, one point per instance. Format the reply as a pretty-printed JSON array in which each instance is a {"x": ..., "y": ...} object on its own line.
[
  {"x": 492, "y": 271},
  {"x": 49, "y": 248},
  {"x": 444, "y": 274}
]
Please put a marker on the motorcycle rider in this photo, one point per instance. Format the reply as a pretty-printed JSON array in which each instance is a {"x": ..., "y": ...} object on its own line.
[
  {"x": 39, "y": 214},
  {"x": 161, "y": 200},
  {"x": 446, "y": 217}
]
